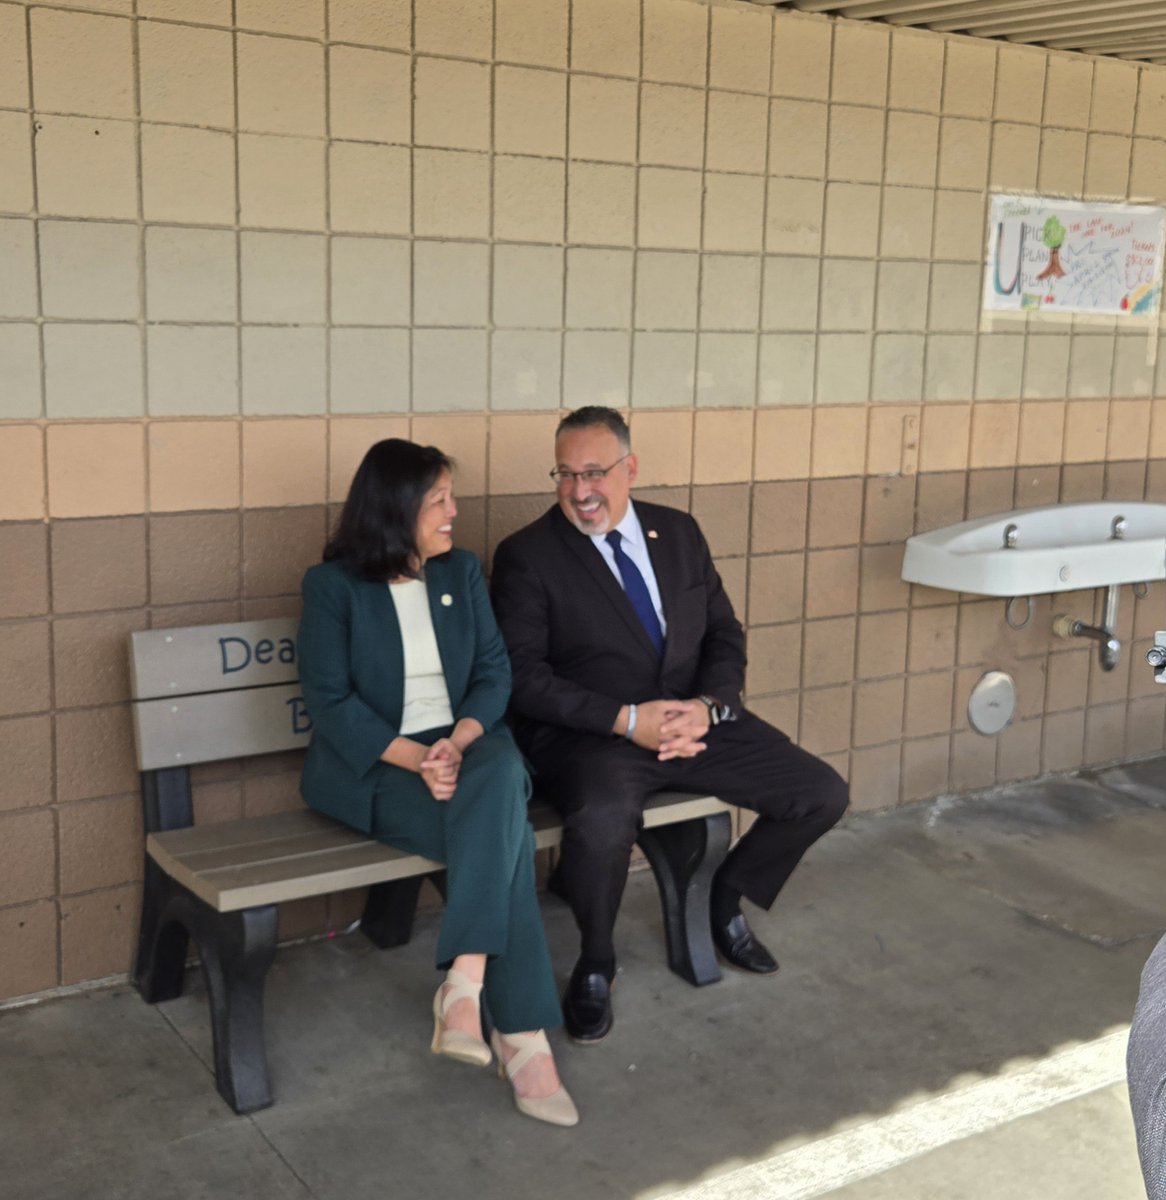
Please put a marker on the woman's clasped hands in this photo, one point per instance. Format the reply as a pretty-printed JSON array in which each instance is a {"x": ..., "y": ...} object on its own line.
[{"x": 439, "y": 768}]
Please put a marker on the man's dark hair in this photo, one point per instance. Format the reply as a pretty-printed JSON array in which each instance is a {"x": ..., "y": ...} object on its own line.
[
  {"x": 591, "y": 415},
  {"x": 376, "y": 536}
]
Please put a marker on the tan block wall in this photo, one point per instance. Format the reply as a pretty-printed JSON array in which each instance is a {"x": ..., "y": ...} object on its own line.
[{"x": 240, "y": 241}]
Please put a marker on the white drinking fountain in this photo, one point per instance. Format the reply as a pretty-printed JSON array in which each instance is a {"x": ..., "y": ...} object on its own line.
[{"x": 1057, "y": 548}]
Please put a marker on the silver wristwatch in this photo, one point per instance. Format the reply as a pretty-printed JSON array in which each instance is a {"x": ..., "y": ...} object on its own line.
[{"x": 718, "y": 712}]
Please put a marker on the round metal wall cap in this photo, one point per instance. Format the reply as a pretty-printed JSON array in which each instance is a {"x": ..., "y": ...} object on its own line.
[{"x": 992, "y": 704}]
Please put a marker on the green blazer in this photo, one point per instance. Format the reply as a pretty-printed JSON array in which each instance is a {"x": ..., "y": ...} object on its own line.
[{"x": 352, "y": 670}]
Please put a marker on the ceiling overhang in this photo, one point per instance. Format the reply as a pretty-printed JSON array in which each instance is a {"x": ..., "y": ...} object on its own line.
[{"x": 1130, "y": 29}]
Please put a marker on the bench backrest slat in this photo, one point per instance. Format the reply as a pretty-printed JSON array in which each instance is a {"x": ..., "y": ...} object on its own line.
[
  {"x": 209, "y": 692},
  {"x": 212, "y": 658},
  {"x": 217, "y": 725}
]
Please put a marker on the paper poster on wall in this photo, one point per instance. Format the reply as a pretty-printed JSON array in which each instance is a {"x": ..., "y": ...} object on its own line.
[{"x": 1071, "y": 256}]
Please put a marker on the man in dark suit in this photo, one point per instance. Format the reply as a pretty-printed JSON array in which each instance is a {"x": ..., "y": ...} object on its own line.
[{"x": 628, "y": 668}]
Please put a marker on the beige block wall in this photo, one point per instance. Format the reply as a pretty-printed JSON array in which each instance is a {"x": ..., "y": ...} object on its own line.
[{"x": 240, "y": 241}]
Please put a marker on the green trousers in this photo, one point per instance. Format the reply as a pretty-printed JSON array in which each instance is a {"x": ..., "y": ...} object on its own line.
[{"x": 484, "y": 838}]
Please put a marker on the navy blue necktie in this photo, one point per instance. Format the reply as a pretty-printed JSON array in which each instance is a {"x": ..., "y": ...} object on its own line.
[{"x": 637, "y": 590}]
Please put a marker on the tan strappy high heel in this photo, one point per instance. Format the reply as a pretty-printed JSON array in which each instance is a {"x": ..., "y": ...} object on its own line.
[
  {"x": 456, "y": 1043},
  {"x": 556, "y": 1109}
]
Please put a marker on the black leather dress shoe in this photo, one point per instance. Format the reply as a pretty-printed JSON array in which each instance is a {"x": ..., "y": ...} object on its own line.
[
  {"x": 737, "y": 944},
  {"x": 587, "y": 1006}
]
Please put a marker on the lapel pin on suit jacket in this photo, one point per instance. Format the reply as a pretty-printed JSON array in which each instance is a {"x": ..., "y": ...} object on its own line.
[
  {"x": 446, "y": 599},
  {"x": 652, "y": 533}
]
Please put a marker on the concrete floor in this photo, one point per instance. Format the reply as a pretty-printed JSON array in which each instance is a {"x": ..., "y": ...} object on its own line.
[{"x": 948, "y": 1024}]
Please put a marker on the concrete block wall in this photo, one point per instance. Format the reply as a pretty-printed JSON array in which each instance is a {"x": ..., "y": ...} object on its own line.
[{"x": 241, "y": 239}]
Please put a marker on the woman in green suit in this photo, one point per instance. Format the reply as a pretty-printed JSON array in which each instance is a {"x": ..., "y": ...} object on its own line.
[{"x": 406, "y": 679}]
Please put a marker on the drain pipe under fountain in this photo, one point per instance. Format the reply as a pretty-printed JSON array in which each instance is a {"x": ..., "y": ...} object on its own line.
[{"x": 1108, "y": 646}]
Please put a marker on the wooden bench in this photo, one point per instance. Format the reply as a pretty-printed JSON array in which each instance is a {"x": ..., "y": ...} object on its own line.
[{"x": 212, "y": 692}]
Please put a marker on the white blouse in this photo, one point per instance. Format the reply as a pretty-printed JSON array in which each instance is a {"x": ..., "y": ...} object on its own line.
[{"x": 426, "y": 696}]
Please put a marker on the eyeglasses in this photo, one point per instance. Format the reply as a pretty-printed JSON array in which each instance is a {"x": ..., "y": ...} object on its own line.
[{"x": 591, "y": 475}]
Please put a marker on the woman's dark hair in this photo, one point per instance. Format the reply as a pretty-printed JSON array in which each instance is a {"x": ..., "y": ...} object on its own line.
[{"x": 376, "y": 536}]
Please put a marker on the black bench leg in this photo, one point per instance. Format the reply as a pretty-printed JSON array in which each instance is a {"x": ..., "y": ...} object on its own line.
[
  {"x": 237, "y": 949},
  {"x": 684, "y": 857},
  {"x": 162, "y": 939},
  {"x": 390, "y": 908}
]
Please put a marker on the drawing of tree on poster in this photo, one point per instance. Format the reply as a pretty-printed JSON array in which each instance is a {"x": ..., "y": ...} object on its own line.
[{"x": 1053, "y": 236}]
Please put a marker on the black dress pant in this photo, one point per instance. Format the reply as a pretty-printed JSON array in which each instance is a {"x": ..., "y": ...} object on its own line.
[{"x": 600, "y": 786}]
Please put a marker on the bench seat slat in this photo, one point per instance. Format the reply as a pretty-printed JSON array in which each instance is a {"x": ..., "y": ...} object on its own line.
[
  {"x": 250, "y": 830},
  {"x": 288, "y": 856},
  {"x": 304, "y": 846},
  {"x": 231, "y": 889}
]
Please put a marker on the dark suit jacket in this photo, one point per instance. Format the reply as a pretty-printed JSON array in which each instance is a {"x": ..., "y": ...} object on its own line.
[
  {"x": 352, "y": 669},
  {"x": 577, "y": 648}
]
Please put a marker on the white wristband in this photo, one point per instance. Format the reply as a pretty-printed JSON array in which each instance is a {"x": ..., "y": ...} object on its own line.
[{"x": 631, "y": 722}]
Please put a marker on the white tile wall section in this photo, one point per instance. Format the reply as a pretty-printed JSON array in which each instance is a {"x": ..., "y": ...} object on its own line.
[
  {"x": 369, "y": 370},
  {"x": 188, "y": 175},
  {"x": 789, "y": 297},
  {"x": 664, "y": 374},
  {"x": 451, "y": 283},
  {"x": 20, "y": 397},
  {"x": 280, "y": 85},
  {"x": 950, "y": 368},
  {"x": 596, "y": 366},
  {"x": 186, "y": 74},
  {"x": 16, "y": 191},
  {"x": 371, "y": 280},
  {"x": 528, "y": 287},
  {"x": 1046, "y": 367},
  {"x": 450, "y": 369},
  {"x": 13, "y": 58},
  {"x": 541, "y": 43},
  {"x": 897, "y": 372},
  {"x": 284, "y": 370},
  {"x": 193, "y": 370},
  {"x": 847, "y": 296},
  {"x": 844, "y": 368},
  {"x": 726, "y": 370},
  {"x": 901, "y": 297},
  {"x": 599, "y": 288},
  {"x": 191, "y": 274},
  {"x": 999, "y": 366},
  {"x": 730, "y": 292},
  {"x": 1133, "y": 369},
  {"x": 92, "y": 368},
  {"x": 210, "y": 208},
  {"x": 18, "y": 280},
  {"x": 530, "y": 112},
  {"x": 786, "y": 367},
  {"x": 526, "y": 369},
  {"x": 370, "y": 95},
  {"x": 284, "y": 278},
  {"x": 89, "y": 270},
  {"x": 667, "y": 290}
]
